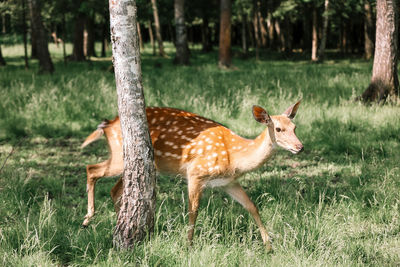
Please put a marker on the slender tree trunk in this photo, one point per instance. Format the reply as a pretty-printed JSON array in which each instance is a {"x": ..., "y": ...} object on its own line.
[
  {"x": 306, "y": 39},
  {"x": 136, "y": 216},
  {"x": 24, "y": 33},
  {"x": 89, "y": 38},
  {"x": 281, "y": 35},
  {"x": 140, "y": 36},
  {"x": 225, "y": 57},
  {"x": 205, "y": 36},
  {"x": 270, "y": 27},
  {"x": 321, "y": 52},
  {"x": 314, "y": 47},
  {"x": 251, "y": 34},
  {"x": 77, "y": 52},
  {"x": 158, "y": 29},
  {"x": 368, "y": 27},
  {"x": 256, "y": 31},
  {"x": 182, "y": 52},
  {"x": 34, "y": 53},
  {"x": 3, "y": 24},
  {"x": 152, "y": 38},
  {"x": 45, "y": 63},
  {"x": 263, "y": 30},
  {"x": 244, "y": 35},
  {"x": 2, "y": 61},
  {"x": 64, "y": 27},
  {"x": 384, "y": 81},
  {"x": 104, "y": 42}
]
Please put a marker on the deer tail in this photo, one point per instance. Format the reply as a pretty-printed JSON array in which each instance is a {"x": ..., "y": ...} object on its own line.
[{"x": 96, "y": 134}]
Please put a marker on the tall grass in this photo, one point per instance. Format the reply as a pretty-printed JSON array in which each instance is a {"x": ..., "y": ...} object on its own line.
[{"x": 335, "y": 204}]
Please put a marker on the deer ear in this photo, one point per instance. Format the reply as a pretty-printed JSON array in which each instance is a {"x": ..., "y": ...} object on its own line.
[
  {"x": 261, "y": 115},
  {"x": 292, "y": 110}
]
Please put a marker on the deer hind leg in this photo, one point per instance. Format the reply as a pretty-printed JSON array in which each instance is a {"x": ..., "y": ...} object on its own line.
[
  {"x": 195, "y": 188},
  {"x": 95, "y": 172},
  {"x": 116, "y": 194},
  {"x": 236, "y": 191}
]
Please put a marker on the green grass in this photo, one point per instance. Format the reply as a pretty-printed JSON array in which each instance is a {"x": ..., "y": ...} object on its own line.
[{"x": 337, "y": 203}]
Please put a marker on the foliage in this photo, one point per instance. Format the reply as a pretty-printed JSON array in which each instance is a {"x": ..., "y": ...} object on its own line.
[{"x": 337, "y": 204}]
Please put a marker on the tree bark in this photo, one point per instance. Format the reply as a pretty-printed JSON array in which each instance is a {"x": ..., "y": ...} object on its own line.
[
  {"x": 256, "y": 27},
  {"x": 152, "y": 38},
  {"x": 314, "y": 45},
  {"x": 263, "y": 30},
  {"x": 158, "y": 29},
  {"x": 77, "y": 52},
  {"x": 2, "y": 61},
  {"x": 281, "y": 35},
  {"x": 104, "y": 42},
  {"x": 321, "y": 52},
  {"x": 182, "y": 51},
  {"x": 368, "y": 28},
  {"x": 24, "y": 34},
  {"x": 136, "y": 215},
  {"x": 384, "y": 81},
  {"x": 45, "y": 63},
  {"x": 225, "y": 57}
]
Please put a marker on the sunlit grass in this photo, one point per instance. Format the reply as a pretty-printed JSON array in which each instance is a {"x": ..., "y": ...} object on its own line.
[{"x": 337, "y": 204}]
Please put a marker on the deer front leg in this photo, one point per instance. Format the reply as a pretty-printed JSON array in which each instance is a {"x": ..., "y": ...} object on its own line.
[
  {"x": 195, "y": 188},
  {"x": 236, "y": 191}
]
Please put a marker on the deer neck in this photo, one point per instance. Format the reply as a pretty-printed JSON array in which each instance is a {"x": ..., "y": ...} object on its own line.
[{"x": 253, "y": 153}]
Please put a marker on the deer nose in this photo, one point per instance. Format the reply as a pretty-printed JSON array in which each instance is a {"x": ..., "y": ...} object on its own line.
[{"x": 300, "y": 148}]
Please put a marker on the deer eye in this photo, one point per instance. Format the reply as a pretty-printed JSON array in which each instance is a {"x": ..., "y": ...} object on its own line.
[{"x": 278, "y": 129}]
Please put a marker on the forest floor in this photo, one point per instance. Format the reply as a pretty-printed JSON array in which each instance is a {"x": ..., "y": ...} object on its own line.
[{"x": 335, "y": 204}]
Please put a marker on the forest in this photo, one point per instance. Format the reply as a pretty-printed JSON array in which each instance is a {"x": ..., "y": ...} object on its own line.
[{"x": 337, "y": 203}]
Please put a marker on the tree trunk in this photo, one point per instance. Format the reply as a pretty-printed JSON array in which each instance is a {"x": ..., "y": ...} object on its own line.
[
  {"x": 368, "y": 28},
  {"x": 158, "y": 29},
  {"x": 136, "y": 216},
  {"x": 140, "y": 36},
  {"x": 34, "y": 53},
  {"x": 256, "y": 31},
  {"x": 77, "y": 52},
  {"x": 152, "y": 38},
  {"x": 45, "y": 63},
  {"x": 263, "y": 30},
  {"x": 244, "y": 35},
  {"x": 24, "y": 34},
  {"x": 270, "y": 27},
  {"x": 321, "y": 52},
  {"x": 205, "y": 36},
  {"x": 384, "y": 81},
  {"x": 314, "y": 44},
  {"x": 182, "y": 52},
  {"x": 2, "y": 61},
  {"x": 104, "y": 42},
  {"x": 281, "y": 35},
  {"x": 89, "y": 40},
  {"x": 225, "y": 59}
]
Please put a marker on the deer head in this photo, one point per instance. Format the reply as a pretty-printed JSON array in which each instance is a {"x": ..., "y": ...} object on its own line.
[{"x": 280, "y": 127}]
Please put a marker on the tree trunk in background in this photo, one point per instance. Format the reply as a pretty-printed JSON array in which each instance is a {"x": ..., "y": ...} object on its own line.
[
  {"x": 45, "y": 63},
  {"x": 104, "y": 42},
  {"x": 77, "y": 52},
  {"x": 24, "y": 35},
  {"x": 205, "y": 36},
  {"x": 306, "y": 39},
  {"x": 256, "y": 31},
  {"x": 182, "y": 51},
  {"x": 34, "y": 53},
  {"x": 152, "y": 38},
  {"x": 158, "y": 29},
  {"x": 225, "y": 57},
  {"x": 3, "y": 23},
  {"x": 263, "y": 31},
  {"x": 384, "y": 81},
  {"x": 136, "y": 216},
  {"x": 270, "y": 27},
  {"x": 89, "y": 37},
  {"x": 321, "y": 52},
  {"x": 140, "y": 36},
  {"x": 368, "y": 28},
  {"x": 244, "y": 35},
  {"x": 2, "y": 61},
  {"x": 314, "y": 44},
  {"x": 281, "y": 35}
]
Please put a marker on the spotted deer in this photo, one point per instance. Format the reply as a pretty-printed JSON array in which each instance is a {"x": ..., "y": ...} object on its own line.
[{"x": 203, "y": 151}]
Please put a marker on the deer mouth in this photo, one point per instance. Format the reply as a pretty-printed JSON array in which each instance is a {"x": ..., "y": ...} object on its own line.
[{"x": 296, "y": 151}]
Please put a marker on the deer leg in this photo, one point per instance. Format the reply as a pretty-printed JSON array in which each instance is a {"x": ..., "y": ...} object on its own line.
[
  {"x": 194, "y": 190},
  {"x": 236, "y": 191},
  {"x": 116, "y": 194},
  {"x": 95, "y": 172}
]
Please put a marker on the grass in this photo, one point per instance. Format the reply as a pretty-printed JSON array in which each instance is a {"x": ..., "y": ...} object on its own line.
[{"x": 336, "y": 204}]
